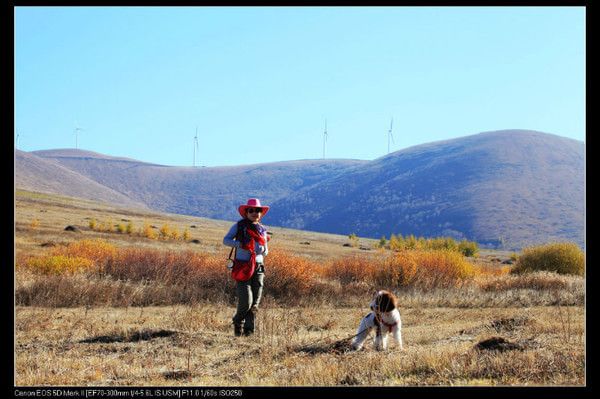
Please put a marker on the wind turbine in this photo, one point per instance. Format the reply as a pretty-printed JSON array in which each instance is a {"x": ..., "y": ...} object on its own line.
[
  {"x": 195, "y": 145},
  {"x": 77, "y": 130},
  {"x": 17, "y": 141},
  {"x": 324, "y": 138},
  {"x": 390, "y": 136}
]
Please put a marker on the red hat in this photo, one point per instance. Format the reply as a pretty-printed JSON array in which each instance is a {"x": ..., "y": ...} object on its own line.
[{"x": 252, "y": 203}]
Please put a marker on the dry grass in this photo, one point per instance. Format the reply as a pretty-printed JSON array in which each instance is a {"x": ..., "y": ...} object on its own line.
[
  {"x": 99, "y": 324},
  {"x": 193, "y": 345}
]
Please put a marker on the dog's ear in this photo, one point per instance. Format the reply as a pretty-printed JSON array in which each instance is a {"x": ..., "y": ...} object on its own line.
[
  {"x": 394, "y": 301},
  {"x": 388, "y": 302}
]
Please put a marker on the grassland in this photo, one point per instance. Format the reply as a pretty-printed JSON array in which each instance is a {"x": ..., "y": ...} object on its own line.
[{"x": 91, "y": 337}]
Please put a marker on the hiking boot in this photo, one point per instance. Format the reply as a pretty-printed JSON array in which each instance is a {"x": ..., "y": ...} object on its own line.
[
  {"x": 237, "y": 330},
  {"x": 247, "y": 333}
]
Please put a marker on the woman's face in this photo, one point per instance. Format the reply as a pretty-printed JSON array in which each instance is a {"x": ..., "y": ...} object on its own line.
[{"x": 254, "y": 214}]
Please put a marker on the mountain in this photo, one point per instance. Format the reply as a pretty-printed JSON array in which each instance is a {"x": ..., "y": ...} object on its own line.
[
  {"x": 45, "y": 175},
  {"x": 212, "y": 192},
  {"x": 509, "y": 188}
]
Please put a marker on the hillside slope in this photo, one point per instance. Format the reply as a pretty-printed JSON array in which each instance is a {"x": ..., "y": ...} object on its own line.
[
  {"x": 213, "y": 192},
  {"x": 44, "y": 175},
  {"x": 507, "y": 189},
  {"x": 510, "y": 188}
]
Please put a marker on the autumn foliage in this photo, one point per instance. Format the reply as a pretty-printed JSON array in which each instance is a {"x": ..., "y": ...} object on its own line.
[
  {"x": 170, "y": 276},
  {"x": 419, "y": 268}
]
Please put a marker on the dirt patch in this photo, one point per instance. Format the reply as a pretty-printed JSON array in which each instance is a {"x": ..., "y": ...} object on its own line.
[
  {"x": 497, "y": 344},
  {"x": 177, "y": 375},
  {"x": 338, "y": 347},
  {"x": 136, "y": 336}
]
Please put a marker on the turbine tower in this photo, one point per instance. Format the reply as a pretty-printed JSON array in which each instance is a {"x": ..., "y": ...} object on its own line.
[
  {"x": 195, "y": 145},
  {"x": 77, "y": 130},
  {"x": 324, "y": 138},
  {"x": 390, "y": 136}
]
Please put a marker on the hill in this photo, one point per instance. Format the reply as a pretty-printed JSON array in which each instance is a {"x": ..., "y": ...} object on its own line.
[
  {"x": 208, "y": 192},
  {"x": 505, "y": 189},
  {"x": 45, "y": 175}
]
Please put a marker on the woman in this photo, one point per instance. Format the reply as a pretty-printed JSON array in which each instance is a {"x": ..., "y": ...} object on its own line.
[{"x": 249, "y": 237}]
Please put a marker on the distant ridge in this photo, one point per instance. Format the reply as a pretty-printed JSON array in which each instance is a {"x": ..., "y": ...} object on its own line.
[
  {"x": 44, "y": 175},
  {"x": 508, "y": 189},
  {"x": 505, "y": 188},
  {"x": 84, "y": 154}
]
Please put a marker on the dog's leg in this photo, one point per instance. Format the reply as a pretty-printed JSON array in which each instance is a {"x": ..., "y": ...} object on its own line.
[
  {"x": 384, "y": 340},
  {"x": 366, "y": 324},
  {"x": 397, "y": 333},
  {"x": 379, "y": 340}
]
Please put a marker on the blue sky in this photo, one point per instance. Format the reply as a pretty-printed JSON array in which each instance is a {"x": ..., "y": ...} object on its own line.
[{"x": 260, "y": 82}]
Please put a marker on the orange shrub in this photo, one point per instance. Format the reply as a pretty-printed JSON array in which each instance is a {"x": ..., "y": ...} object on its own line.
[
  {"x": 79, "y": 256},
  {"x": 165, "y": 231},
  {"x": 352, "y": 269},
  {"x": 437, "y": 268},
  {"x": 148, "y": 232},
  {"x": 59, "y": 264},
  {"x": 97, "y": 251},
  {"x": 422, "y": 268},
  {"x": 289, "y": 275}
]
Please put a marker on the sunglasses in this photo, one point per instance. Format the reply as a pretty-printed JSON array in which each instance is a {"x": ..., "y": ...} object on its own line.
[{"x": 254, "y": 210}]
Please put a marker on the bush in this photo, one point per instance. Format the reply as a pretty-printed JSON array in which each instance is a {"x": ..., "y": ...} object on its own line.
[
  {"x": 58, "y": 264},
  {"x": 441, "y": 243},
  {"x": 165, "y": 231},
  {"x": 418, "y": 268},
  {"x": 97, "y": 251},
  {"x": 79, "y": 256},
  {"x": 148, "y": 232},
  {"x": 290, "y": 277},
  {"x": 468, "y": 248},
  {"x": 562, "y": 257},
  {"x": 169, "y": 267},
  {"x": 430, "y": 268},
  {"x": 410, "y": 242},
  {"x": 353, "y": 240},
  {"x": 352, "y": 269}
]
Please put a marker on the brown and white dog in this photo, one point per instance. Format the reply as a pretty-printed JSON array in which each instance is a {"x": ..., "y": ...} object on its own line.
[{"x": 384, "y": 317}]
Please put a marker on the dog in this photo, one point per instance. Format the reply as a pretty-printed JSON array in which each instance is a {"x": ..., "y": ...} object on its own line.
[{"x": 384, "y": 317}]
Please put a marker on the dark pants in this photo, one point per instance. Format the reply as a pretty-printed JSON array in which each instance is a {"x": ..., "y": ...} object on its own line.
[{"x": 249, "y": 295}]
